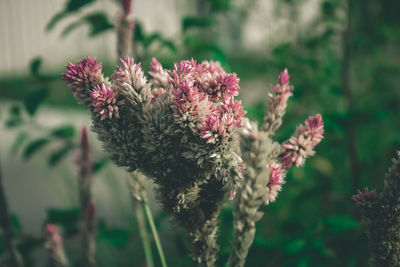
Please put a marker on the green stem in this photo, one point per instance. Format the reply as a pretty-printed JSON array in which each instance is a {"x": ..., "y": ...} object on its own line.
[
  {"x": 155, "y": 233},
  {"x": 144, "y": 235}
]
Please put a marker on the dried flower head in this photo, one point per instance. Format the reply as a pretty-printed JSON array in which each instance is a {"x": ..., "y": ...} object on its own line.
[{"x": 362, "y": 197}]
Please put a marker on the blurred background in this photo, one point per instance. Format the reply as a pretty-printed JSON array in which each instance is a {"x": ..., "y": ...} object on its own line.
[{"x": 344, "y": 61}]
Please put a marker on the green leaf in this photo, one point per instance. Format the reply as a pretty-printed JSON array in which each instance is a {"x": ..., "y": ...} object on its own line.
[
  {"x": 19, "y": 140},
  {"x": 56, "y": 18},
  {"x": 65, "y": 131},
  {"x": 35, "y": 66},
  {"x": 75, "y": 5},
  {"x": 220, "y": 5},
  {"x": 114, "y": 237},
  {"x": 57, "y": 155},
  {"x": 67, "y": 218},
  {"x": 34, "y": 99},
  {"x": 339, "y": 223},
  {"x": 71, "y": 27},
  {"x": 99, "y": 164},
  {"x": 16, "y": 224},
  {"x": 15, "y": 118},
  {"x": 201, "y": 22},
  {"x": 138, "y": 34},
  {"x": 35, "y": 146},
  {"x": 98, "y": 23}
]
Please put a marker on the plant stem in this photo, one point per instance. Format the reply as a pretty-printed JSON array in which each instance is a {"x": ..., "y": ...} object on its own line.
[
  {"x": 144, "y": 235},
  {"x": 5, "y": 224},
  {"x": 155, "y": 233}
]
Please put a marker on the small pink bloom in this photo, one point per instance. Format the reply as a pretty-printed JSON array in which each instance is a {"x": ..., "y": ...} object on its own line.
[
  {"x": 129, "y": 76},
  {"x": 283, "y": 78},
  {"x": 105, "y": 102},
  {"x": 276, "y": 179}
]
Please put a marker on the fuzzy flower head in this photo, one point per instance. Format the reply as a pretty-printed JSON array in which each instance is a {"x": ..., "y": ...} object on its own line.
[
  {"x": 276, "y": 179},
  {"x": 362, "y": 198},
  {"x": 82, "y": 77},
  {"x": 160, "y": 76},
  {"x": 129, "y": 76},
  {"x": 301, "y": 144},
  {"x": 105, "y": 102},
  {"x": 280, "y": 94}
]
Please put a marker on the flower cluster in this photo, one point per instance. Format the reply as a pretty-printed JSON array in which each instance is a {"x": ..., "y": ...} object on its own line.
[
  {"x": 276, "y": 179},
  {"x": 105, "y": 102},
  {"x": 82, "y": 77},
  {"x": 301, "y": 144},
  {"x": 178, "y": 129}
]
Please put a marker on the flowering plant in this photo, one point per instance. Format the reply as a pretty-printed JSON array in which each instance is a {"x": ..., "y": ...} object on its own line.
[{"x": 185, "y": 130}]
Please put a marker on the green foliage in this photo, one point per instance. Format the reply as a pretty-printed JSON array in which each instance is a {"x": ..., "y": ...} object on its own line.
[
  {"x": 114, "y": 237},
  {"x": 98, "y": 23},
  {"x": 34, "y": 99},
  {"x": 200, "y": 22},
  {"x": 35, "y": 146},
  {"x": 65, "y": 131},
  {"x": 57, "y": 155}
]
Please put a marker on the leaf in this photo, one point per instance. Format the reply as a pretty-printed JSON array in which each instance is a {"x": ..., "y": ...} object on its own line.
[
  {"x": 65, "y": 131},
  {"x": 15, "y": 118},
  {"x": 340, "y": 223},
  {"x": 115, "y": 237},
  {"x": 35, "y": 66},
  {"x": 19, "y": 140},
  {"x": 56, "y": 18},
  {"x": 35, "y": 146},
  {"x": 16, "y": 224},
  {"x": 98, "y": 23},
  {"x": 220, "y": 5},
  {"x": 57, "y": 155},
  {"x": 34, "y": 99},
  {"x": 75, "y": 5},
  {"x": 99, "y": 164},
  {"x": 201, "y": 22},
  {"x": 138, "y": 34},
  {"x": 71, "y": 27},
  {"x": 68, "y": 218}
]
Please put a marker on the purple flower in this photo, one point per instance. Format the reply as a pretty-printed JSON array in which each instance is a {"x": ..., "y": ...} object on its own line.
[
  {"x": 301, "y": 144},
  {"x": 362, "y": 198},
  {"x": 160, "y": 76},
  {"x": 276, "y": 179},
  {"x": 283, "y": 78},
  {"x": 129, "y": 76},
  {"x": 82, "y": 77},
  {"x": 105, "y": 102}
]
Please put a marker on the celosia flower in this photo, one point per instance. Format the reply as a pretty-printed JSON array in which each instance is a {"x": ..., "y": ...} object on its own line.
[
  {"x": 191, "y": 106},
  {"x": 362, "y": 198},
  {"x": 129, "y": 76},
  {"x": 301, "y": 144},
  {"x": 82, "y": 77},
  {"x": 283, "y": 78},
  {"x": 160, "y": 76},
  {"x": 105, "y": 102},
  {"x": 276, "y": 179}
]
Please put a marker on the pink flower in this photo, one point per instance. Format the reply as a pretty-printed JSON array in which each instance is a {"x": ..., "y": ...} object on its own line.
[
  {"x": 129, "y": 76},
  {"x": 362, "y": 198},
  {"x": 283, "y": 78},
  {"x": 276, "y": 179},
  {"x": 82, "y": 77},
  {"x": 301, "y": 144},
  {"x": 126, "y": 5},
  {"x": 53, "y": 239},
  {"x": 160, "y": 76},
  {"x": 191, "y": 105},
  {"x": 105, "y": 102}
]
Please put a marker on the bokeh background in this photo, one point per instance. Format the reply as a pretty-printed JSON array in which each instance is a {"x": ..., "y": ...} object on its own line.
[{"x": 344, "y": 61}]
